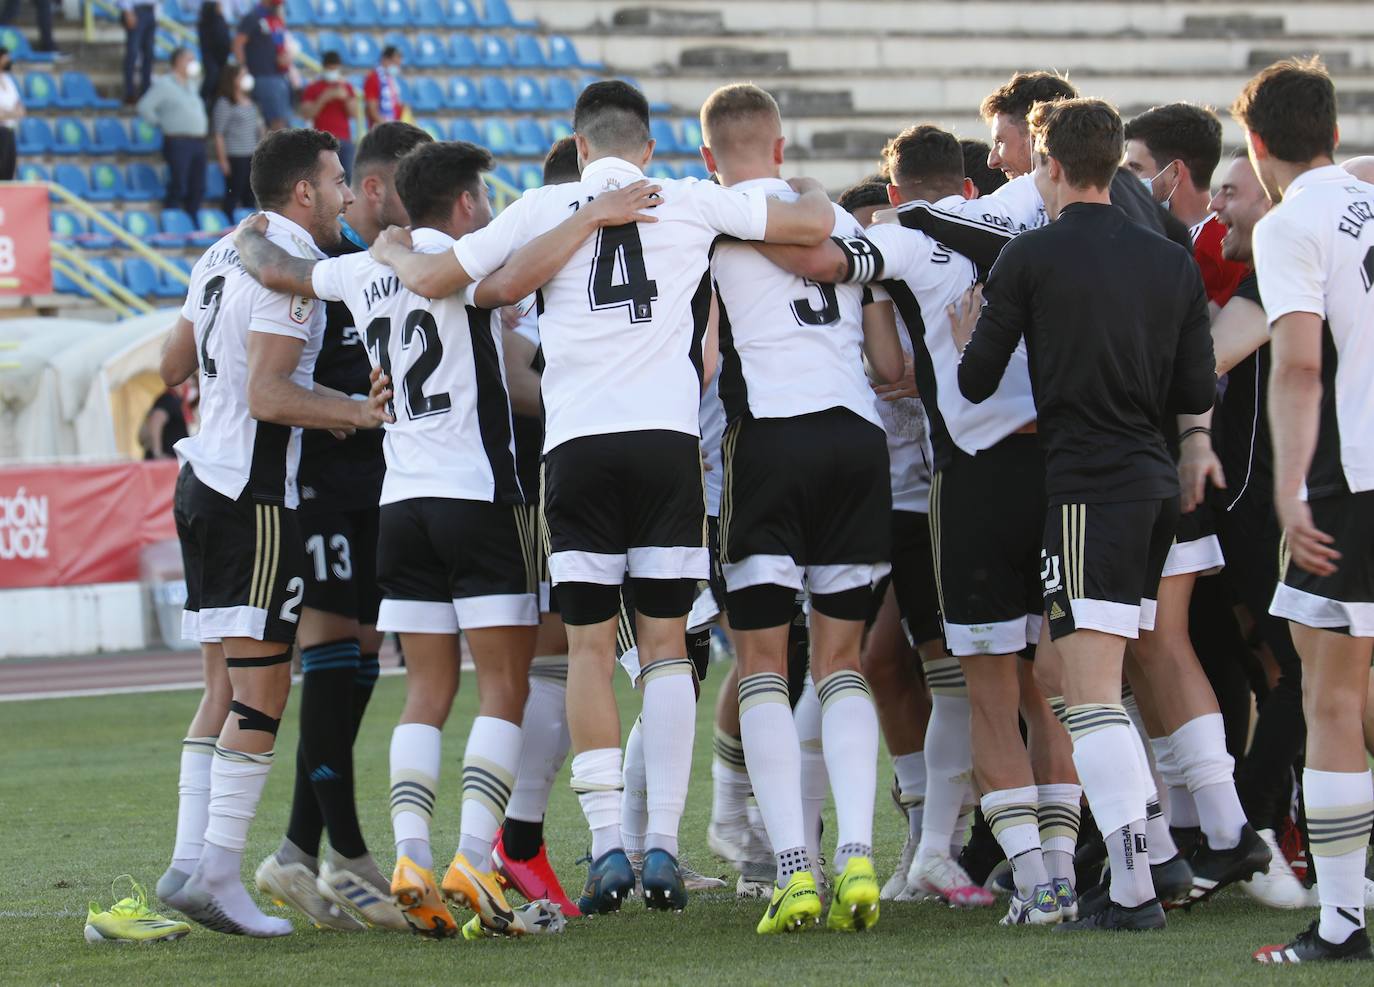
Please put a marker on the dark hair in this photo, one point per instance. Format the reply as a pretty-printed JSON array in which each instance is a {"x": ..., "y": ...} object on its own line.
[
  {"x": 285, "y": 157},
  {"x": 1084, "y": 135},
  {"x": 390, "y": 51},
  {"x": 227, "y": 87},
  {"x": 560, "y": 164},
  {"x": 924, "y": 155},
  {"x": 177, "y": 53},
  {"x": 1292, "y": 106},
  {"x": 331, "y": 58},
  {"x": 1023, "y": 91},
  {"x": 1181, "y": 132},
  {"x": 432, "y": 177},
  {"x": 872, "y": 191},
  {"x": 386, "y": 144},
  {"x": 612, "y": 115},
  {"x": 985, "y": 179}
]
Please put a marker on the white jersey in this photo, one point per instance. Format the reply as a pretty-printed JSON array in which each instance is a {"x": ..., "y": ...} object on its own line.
[
  {"x": 712, "y": 421},
  {"x": 453, "y": 435},
  {"x": 1314, "y": 252},
  {"x": 788, "y": 346},
  {"x": 908, "y": 442},
  {"x": 924, "y": 278},
  {"x": 232, "y": 450},
  {"x": 622, "y": 323},
  {"x": 1018, "y": 202}
]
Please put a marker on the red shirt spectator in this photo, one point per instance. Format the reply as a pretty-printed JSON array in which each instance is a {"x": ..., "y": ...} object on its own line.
[
  {"x": 382, "y": 89},
  {"x": 332, "y": 102},
  {"x": 1219, "y": 276}
]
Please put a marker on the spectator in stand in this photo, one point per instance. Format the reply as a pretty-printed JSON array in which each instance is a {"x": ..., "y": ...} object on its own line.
[
  {"x": 11, "y": 112},
  {"x": 260, "y": 47},
  {"x": 382, "y": 90},
  {"x": 328, "y": 103},
  {"x": 238, "y": 127},
  {"x": 164, "y": 427},
  {"x": 216, "y": 45},
  {"x": 140, "y": 30},
  {"x": 173, "y": 105},
  {"x": 44, "y": 8}
]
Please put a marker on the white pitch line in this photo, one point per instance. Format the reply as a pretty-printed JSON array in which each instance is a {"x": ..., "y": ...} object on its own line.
[
  {"x": 62, "y": 914},
  {"x": 124, "y": 690}
]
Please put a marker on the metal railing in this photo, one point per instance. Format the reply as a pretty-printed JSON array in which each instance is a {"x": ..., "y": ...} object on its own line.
[
  {"x": 125, "y": 238},
  {"x": 96, "y": 282}
]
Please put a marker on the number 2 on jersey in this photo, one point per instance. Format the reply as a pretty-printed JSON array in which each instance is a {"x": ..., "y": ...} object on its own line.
[
  {"x": 419, "y": 324},
  {"x": 618, "y": 275},
  {"x": 214, "y": 291}
]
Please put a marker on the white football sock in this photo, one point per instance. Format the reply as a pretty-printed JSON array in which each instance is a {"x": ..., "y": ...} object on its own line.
[
  {"x": 815, "y": 780},
  {"x": 1114, "y": 782},
  {"x": 193, "y": 801},
  {"x": 949, "y": 761},
  {"x": 849, "y": 737},
  {"x": 1012, "y": 817},
  {"x": 489, "y": 763},
  {"x": 773, "y": 755},
  {"x": 670, "y": 726},
  {"x": 729, "y": 783},
  {"x": 415, "y": 749},
  {"x": 1340, "y": 805},
  {"x": 1181, "y": 809},
  {"x": 1059, "y": 810},
  {"x": 597, "y": 780},
  {"x": 545, "y": 744},
  {"x": 1161, "y": 841},
  {"x": 236, "y": 782},
  {"x": 910, "y": 770},
  {"x": 634, "y": 800},
  {"x": 1199, "y": 747}
]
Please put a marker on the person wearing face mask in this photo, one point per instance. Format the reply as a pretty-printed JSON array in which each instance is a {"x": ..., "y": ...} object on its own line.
[
  {"x": 328, "y": 104},
  {"x": 173, "y": 105},
  {"x": 260, "y": 46},
  {"x": 382, "y": 90},
  {"x": 238, "y": 127},
  {"x": 11, "y": 112}
]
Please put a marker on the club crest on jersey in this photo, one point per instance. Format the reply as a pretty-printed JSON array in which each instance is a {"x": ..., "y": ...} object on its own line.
[
  {"x": 609, "y": 184},
  {"x": 301, "y": 307}
]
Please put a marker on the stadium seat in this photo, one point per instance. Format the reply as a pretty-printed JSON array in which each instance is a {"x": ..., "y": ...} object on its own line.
[
  {"x": 361, "y": 51},
  {"x": 307, "y": 46},
  {"x": 213, "y": 225},
  {"x": 39, "y": 91},
  {"x": 530, "y": 176},
  {"x": 106, "y": 267},
  {"x": 331, "y": 41},
  {"x": 106, "y": 184},
  {"x": 33, "y": 173},
  {"x": 364, "y": 13},
  {"x": 144, "y": 138},
  {"x": 70, "y": 136},
  {"x": 139, "y": 277},
  {"x": 495, "y": 13},
  {"x": 462, "y": 52},
  {"x": 401, "y": 42},
  {"x": 77, "y": 92},
  {"x": 330, "y": 13},
  {"x": 462, "y": 94},
  {"x": 428, "y": 13},
  {"x": 181, "y": 11},
  {"x": 395, "y": 13},
  {"x": 560, "y": 94},
  {"x": 177, "y": 228},
  {"x": 493, "y": 52},
  {"x": 503, "y": 174},
  {"x": 214, "y": 181},
  {"x": 299, "y": 13},
  {"x": 661, "y": 170},
  {"x": 460, "y": 13},
  {"x": 530, "y": 139},
  {"x": 431, "y": 126},
  {"x": 144, "y": 183},
  {"x": 691, "y": 135},
  {"x": 71, "y": 178},
  {"x": 18, "y": 47},
  {"x": 497, "y": 137},
  {"x": 495, "y": 94},
  {"x": 563, "y": 54},
  {"x": 429, "y": 52},
  {"x": 63, "y": 285},
  {"x": 426, "y": 96},
  {"x": 34, "y": 138},
  {"x": 528, "y": 54},
  {"x": 110, "y": 136},
  {"x": 526, "y": 94},
  {"x": 665, "y": 139},
  {"x": 142, "y": 225},
  {"x": 66, "y": 226},
  {"x": 559, "y": 129},
  {"x": 465, "y": 130},
  {"x": 240, "y": 214},
  {"x": 695, "y": 169},
  {"x": 98, "y": 237},
  {"x": 167, "y": 286}
]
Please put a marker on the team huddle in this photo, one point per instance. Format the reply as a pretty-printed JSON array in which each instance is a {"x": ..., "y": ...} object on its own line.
[{"x": 938, "y": 460}]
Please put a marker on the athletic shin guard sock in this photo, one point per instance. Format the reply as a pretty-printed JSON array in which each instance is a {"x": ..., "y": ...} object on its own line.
[
  {"x": 729, "y": 782},
  {"x": 415, "y": 751},
  {"x": 545, "y": 743},
  {"x": 193, "y": 801},
  {"x": 815, "y": 780},
  {"x": 949, "y": 761},
  {"x": 329, "y": 675},
  {"x": 1104, "y": 742},
  {"x": 489, "y": 764},
  {"x": 1011, "y": 813},
  {"x": 1161, "y": 841},
  {"x": 634, "y": 800},
  {"x": 236, "y": 783},
  {"x": 1059, "y": 810},
  {"x": 773, "y": 754},
  {"x": 1199, "y": 747},
  {"x": 597, "y": 779},
  {"x": 910, "y": 770},
  {"x": 849, "y": 738},
  {"x": 1340, "y": 806},
  {"x": 669, "y": 728},
  {"x": 1182, "y": 810}
]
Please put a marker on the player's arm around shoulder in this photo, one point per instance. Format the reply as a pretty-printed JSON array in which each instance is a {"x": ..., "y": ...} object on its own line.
[
  {"x": 804, "y": 222},
  {"x": 179, "y": 359},
  {"x": 268, "y": 264}
]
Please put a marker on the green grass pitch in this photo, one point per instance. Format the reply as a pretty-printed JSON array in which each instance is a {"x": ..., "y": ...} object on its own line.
[{"x": 88, "y": 792}]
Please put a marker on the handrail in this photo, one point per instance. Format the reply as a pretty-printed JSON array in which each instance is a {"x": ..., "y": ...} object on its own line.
[
  {"x": 506, "y": 193},
  {"x": 90, "y": 270},
  {"x": 119, "y": 233},
  {"x": 60, "y": 265}
]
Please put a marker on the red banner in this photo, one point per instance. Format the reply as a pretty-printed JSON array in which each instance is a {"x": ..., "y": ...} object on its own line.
[
  {"x": 71, "y": 525},
  {"x": 25, "y": 242}
]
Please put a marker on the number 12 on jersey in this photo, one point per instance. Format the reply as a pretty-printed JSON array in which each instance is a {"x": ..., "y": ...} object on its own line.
[{"x": 618, "y": 276}]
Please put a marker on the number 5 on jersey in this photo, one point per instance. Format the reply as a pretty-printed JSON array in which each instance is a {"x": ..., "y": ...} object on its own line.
[{"x": 618, "y": 275}]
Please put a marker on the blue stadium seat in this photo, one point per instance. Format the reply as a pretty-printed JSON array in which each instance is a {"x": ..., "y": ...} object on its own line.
[
  {"x": 107, "y": 184},
  {"x": 691, "y": 134},
  {"x": 561, "y": 95},
  {"x": 559, "y": 129},
  {"x": 528, "y": 54},
  {"x": 307, "y": 46},
  {"x": 70, "y": 136},
  {"x": 530, "y": 176},
  {"x": 145, "y": 183},
  {"x": 495, "y": 94},
  {"x": 530, "y": 139},
  {"x": 395, "y": 13},
  {"x": 177, "y": 228},
  {"x": 77, "y": 92},
  {"x": 63, "y": 285},
  {"x": 504, "y": 174},
  {"x": 460, "y": 13},
  {"x": 661, "y": 170},
  {"x": 144, "y": 138},
  {"x": 166, "y": 286},
  {"x": 497, "y": 137},
  {"x": 361, "y": 51},
  {"x": 563, "y": 54},
  {"x": 110, "y": 136},
  {"x": 299, "y": 13},
  {"x": 139, "y": 277},
  {"x": 214, "y": 181},
  {"x": 71, "y": 178},
  {"x": 106, "y": 267},
  {"x": 14, "y": 42},
  {"x": 99, "y": 238},
  {"x": 34, "y": 138},
  {"x": 493, "y": 52},
  {"x": 665, "y": 139},
  {"x": 526, "y": 94},
  {"x": 462, "y": 93},
  {"x": 401, "y": 42},
  {"x": 364, "y": 14},
  {"x": 465, "y": 130},
  {"x": 39, "y": 90},
  {"x": 330, "y": 13},
  {"x": 330, "y": 41},
  {"x": 428, "y": 13},
  {"x": 431, "y": 126},
  {"x": 695, "y": 169},
  {"x": 240, "y": 214},
  {"x": 36, "y": 173},
  {"x": 429, "y": 51},
  {"x": 66, "y": 226},
  {"x": 427, "y": 96},
  {"x": 181, "y": 11},
  {"x": 495, "y": 13},
  {"x": 213, "y": 225},
  {"x": 462, "y": 52}
]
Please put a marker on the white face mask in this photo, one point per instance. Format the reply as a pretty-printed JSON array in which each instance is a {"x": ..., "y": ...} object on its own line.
[
  {"x": 246, "y": 83},
  {"x": 332, "y": 75},
  {"x": 193, "y": 69}
]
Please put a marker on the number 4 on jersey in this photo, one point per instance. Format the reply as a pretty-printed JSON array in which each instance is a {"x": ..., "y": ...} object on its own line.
[{"x": 618, "y": 275}]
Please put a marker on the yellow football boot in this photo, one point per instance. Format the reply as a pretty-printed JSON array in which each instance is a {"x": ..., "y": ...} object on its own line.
[
  {"x": 418, "y": 898},
  {"x": 792, "y": 906},
  {"x": 854, "y": 903},
  {"x": 481, "y": 892},
  {"x": 131, "y": 920}
]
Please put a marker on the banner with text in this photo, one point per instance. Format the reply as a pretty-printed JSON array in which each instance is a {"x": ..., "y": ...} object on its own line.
[{"x": 25, "y": 241}]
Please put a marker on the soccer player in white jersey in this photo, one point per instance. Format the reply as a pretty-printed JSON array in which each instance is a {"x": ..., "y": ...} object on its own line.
[
  {"x": 235, "y": 510},
  {"x": 1314, "y": 255},
  {"x": 621, "y": 330},
  {"x": 803, "y": 505},
  {"x": 456, "y": 539}
]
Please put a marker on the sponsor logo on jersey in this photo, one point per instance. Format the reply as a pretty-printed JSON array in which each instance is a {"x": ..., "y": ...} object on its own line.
[{"x": 301, "y": 308}]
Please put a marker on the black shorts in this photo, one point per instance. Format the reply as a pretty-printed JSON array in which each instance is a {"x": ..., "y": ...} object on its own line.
[
  {"x": 987, "y": 513},
  {"x": 1344, "y": 601},
  {"x": 244, "y": 562},
  {"x": 341, "y": 561},
  {"x": 624, "y": 502},
  {"x": 807, "y": 497},
  {"x": 1102, "y": 565},
  {"x": 1196, "y": 547},
  {"x": 913, "y": 576},
  {"x": 446, "y": 564}
]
